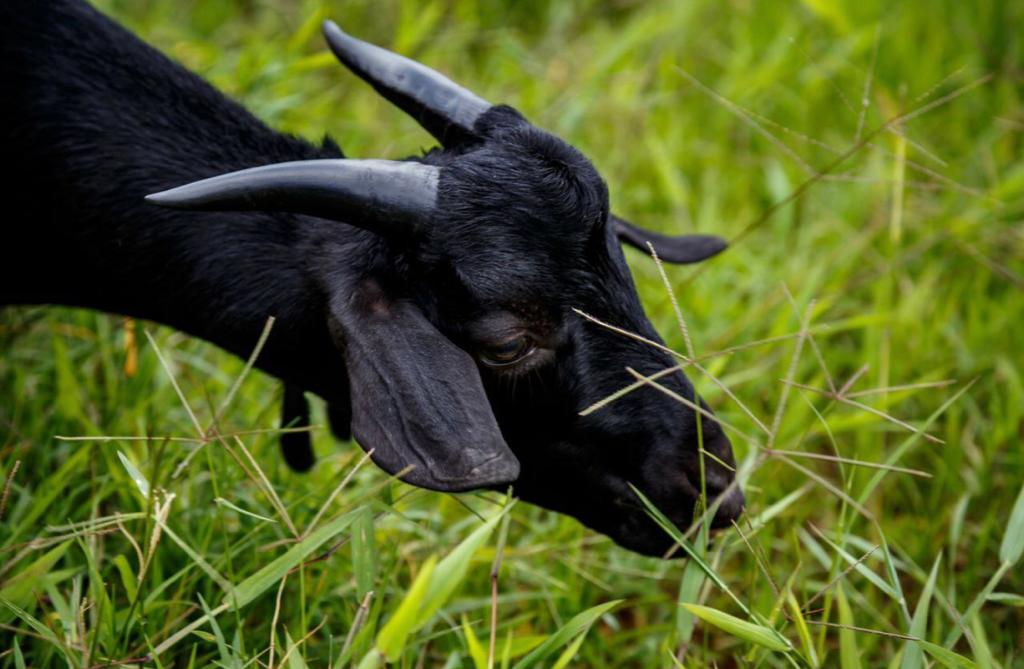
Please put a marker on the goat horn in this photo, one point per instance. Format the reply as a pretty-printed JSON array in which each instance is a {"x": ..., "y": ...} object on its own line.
[
  {"x": 444, "y": 109},
  {"x": 371, "y": 194}
]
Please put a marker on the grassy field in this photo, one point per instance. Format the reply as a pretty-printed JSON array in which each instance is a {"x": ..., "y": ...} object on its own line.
[{"x": 866, "y": 159}]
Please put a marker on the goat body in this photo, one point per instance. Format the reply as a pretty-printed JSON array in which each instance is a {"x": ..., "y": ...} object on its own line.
[
  {"x": 428, "y": 284},
  {"x": 94, "y": 119}
]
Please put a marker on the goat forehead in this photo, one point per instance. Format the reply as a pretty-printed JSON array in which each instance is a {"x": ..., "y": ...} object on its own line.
[
  {"x": 522, "y": 177},
  {"x": 543, "y": 291},
  {"x": 508, "y": 277},
  {"x": 521, "y": 257},
  {"x": 524, "y": 220}
]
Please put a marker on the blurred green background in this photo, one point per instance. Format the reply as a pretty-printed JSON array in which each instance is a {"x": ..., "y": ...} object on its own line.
[{"x": 905, "y": 262}]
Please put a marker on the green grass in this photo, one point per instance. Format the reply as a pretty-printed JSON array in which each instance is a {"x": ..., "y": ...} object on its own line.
[{"x": 903, "y": 266}]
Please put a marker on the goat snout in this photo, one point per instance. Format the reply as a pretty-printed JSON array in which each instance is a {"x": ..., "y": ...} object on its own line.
[
  {"x": 730, "y": 507},
  {"x": 720, "y": 483}
]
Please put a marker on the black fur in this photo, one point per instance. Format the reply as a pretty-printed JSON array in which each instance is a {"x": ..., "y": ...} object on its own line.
[{"x": 93, "y": 120}]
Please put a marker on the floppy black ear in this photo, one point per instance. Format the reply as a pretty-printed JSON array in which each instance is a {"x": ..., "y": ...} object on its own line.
[
  {"x": 417, "y": 399},
  {"x": 681, "y": 250}
]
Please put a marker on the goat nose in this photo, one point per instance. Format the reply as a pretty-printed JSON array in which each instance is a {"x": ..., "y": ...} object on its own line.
[{"x": 730, "y": 506}]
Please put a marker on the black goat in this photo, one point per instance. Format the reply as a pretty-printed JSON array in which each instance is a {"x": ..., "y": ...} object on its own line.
[{"x": 428, "y": 301}]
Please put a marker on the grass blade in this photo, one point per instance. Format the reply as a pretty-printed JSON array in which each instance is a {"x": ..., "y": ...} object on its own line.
[
  {"x": 849, "y": 653},
  {"x": 897, "y": 453},
  {"x": 227, "y": 660},
  {"x": 858, "y": 565},
  {"x": 199, "y": 560},
  {"x": 976, "y": 604},
  {"x": 406, "y": 618},
  {"x": 431, "y": 589},
  {"x": 946, "y": 657},
  {"x": 295, "y": 659},
  {"x": 689, "y": 590},
  {"x": 264, "y": 579},
  {"x": 673, "y": 531},
  {"x": 19, "y": 588},
  {"x": 220, "y": 501},
  {"x": 451, "y": 571},
  {"x": 364, "y": 553},
  {"x": 802, "y": 630},
  {"x": 19, "y": 659},
  {"x": 741, "y": 629},
  {"x": 1012, "y": 546},
  {"x": 578, "y": 625},
  {"x": 980, "y": 645},
  {"x": 913, "y": 658},
  {"x": 39, "y": 628},
  {"x": 140, "y": 481},
  {"x": 476, "y": 649},
  {"x": 570, "y": 652},
  {"x": 1007, "y": 599}
]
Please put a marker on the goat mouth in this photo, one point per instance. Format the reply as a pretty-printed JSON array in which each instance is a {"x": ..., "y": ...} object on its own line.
[
  {"x": 731, "y": 505},
  {"x": 725, "y": 499},
  {"x": 727, "y": 506}
]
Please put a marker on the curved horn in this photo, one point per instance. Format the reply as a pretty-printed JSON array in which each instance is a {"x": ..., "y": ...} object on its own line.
[
  {"x": 444, "y": 109},
  {"x": 379, "y": 195}
]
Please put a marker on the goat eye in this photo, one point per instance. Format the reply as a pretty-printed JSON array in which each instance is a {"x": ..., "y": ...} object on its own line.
[{"x": 508, "y": 352}]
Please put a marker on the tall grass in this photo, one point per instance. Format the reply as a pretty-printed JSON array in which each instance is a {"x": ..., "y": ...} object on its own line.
[{"x": 860, "y": 339}]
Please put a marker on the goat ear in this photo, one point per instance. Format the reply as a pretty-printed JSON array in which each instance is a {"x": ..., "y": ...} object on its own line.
[
  {"x": 417, "y": 399},
  {"x": 680, "y": 250}
]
